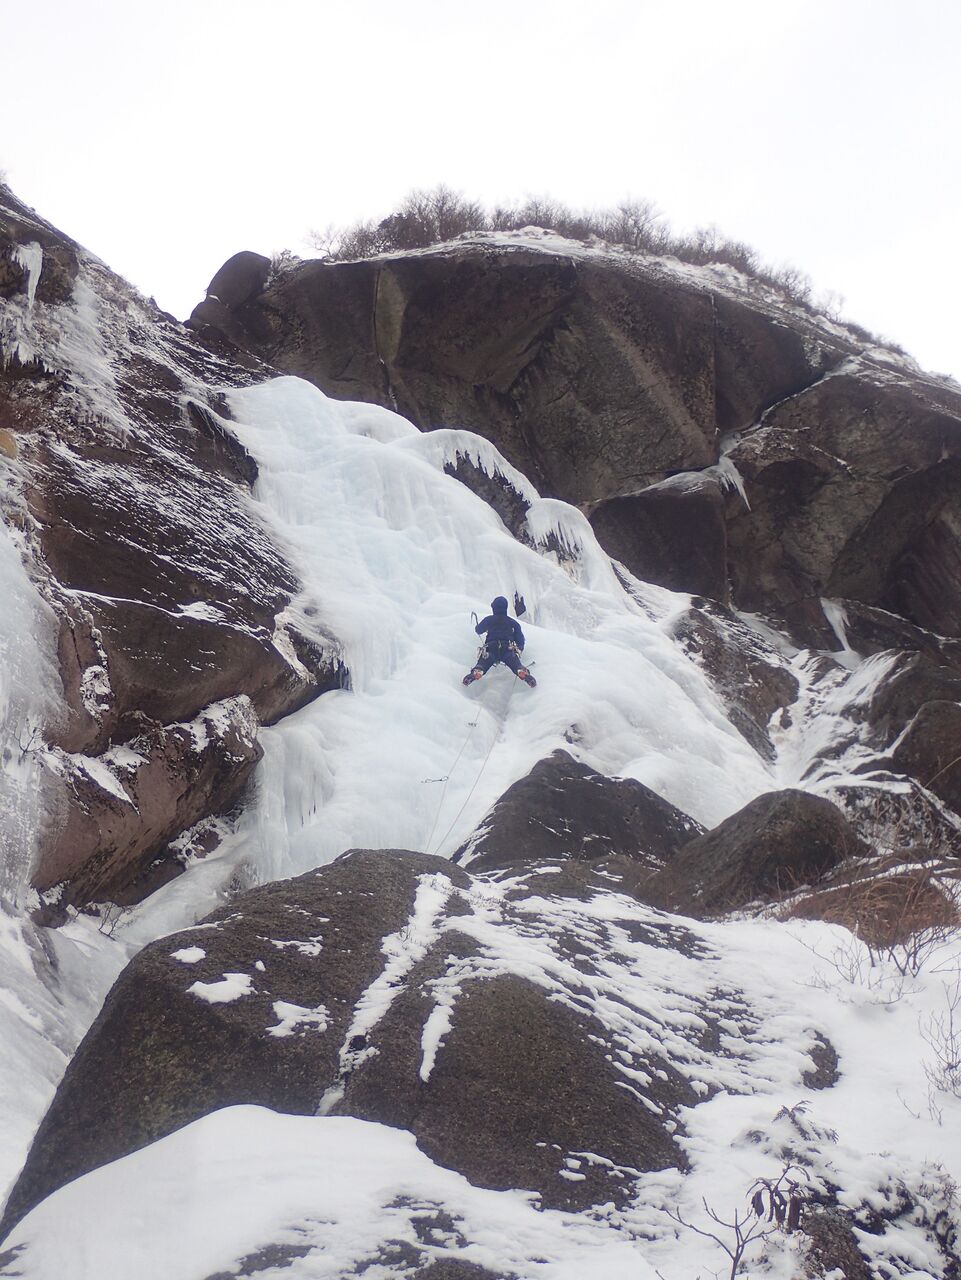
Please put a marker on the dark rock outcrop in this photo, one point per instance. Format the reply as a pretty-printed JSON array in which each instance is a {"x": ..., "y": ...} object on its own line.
[
  {"x": 774, "y": 845},
  {"x": 239, "y": 279},
  {"x": 497, "y": 492},
  {"x": 854, "y": 492},
  {"x": 911, "y": 682},
  {"x": 870, "y": 630},
  {"x": 563, "y": 809},
  {"x": 930, "y": 751},
  {"x": 672, "y": 534}
]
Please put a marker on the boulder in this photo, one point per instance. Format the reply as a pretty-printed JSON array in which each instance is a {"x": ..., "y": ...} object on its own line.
[
  {"x": 672, "y": 534},
  {"x": 497, "y": 1024},
  {"x": 563, "y": 809},
  {"x": 174, "y": 1051},
  {"x": 241, "y": 278},
  {"x": 517, "y": 1071},
  {"x": 771, "y": 847}
]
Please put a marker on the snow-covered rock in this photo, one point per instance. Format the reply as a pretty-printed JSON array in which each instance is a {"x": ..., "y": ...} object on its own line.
[
  {"x": 161, "y": 591},
  {"x": 563, "y": 809},
  {"x": 435, "y": 1041}
]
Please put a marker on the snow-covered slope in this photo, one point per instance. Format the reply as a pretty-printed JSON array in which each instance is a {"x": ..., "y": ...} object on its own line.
[{"x": 735, "y": 1011}]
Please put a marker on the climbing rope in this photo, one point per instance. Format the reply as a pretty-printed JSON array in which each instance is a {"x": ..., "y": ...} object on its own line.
[
  {"x": 490, "y": 751},
  {"x": 447, "y": 777}
]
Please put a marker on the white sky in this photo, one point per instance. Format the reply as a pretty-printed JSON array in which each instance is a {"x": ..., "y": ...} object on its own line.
[{"x": 165, "y": 136}]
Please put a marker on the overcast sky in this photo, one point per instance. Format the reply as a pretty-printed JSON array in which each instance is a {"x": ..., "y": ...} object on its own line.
[{"x": 826, "y": 133}]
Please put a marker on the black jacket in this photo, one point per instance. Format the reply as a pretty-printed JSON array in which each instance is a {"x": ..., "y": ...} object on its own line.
[{"x": 499, "y": 628}]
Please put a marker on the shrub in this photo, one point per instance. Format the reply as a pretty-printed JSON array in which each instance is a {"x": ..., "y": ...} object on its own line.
[
  {"x": 427, "y": 217},
  {"x": 904, "y": 917}
]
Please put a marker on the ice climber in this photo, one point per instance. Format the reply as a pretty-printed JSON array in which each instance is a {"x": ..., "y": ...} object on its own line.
[{"x": 503, "y": 642}]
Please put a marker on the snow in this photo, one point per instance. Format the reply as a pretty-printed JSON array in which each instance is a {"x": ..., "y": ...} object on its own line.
[
  {"x": 52, "y": 982},
  {"x": 293, "y": 1017},
  {"x": 339, "y": 1190},
  {"x": 188, "y": 955},
  {"x": 232, "y": 986}
]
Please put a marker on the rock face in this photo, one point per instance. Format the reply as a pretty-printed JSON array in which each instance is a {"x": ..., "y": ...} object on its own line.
[
  {"x": 131, "y": 504},
  {"x": 930, "y": 751},
  {"x": 144, "y": 794},
  {"x": 853, "y": 490},
  {"x": 600, "y": 375},
  {"x": 870, "y": 630},
  {"x": 394, "y": 987},
  {"x": 563, "y": 809},
  {"x": 672, "y": 533},
  {"x": 772, "y": 846},
  {"x": 751, "y": 677},
  {"x": 590, "y": 377}
]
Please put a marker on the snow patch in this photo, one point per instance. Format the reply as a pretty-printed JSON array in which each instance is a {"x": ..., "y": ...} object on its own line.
[
  {"x": 292, "y": 1017},
  {"x": 339, "y": 1190},
  {"x": 231, "y": 987}
]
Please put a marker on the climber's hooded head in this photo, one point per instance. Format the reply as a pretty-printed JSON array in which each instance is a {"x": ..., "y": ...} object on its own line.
[{"x": 498, "y": 605}]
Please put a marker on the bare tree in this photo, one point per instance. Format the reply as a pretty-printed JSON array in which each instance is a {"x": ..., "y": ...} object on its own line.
[
  {"x": 774, "y": 1205},
  {"x": 942, "y": 1033}
]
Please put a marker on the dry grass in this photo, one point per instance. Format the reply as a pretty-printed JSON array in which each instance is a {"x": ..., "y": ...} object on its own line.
[{"x": 883, "y": 909}]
